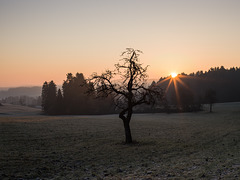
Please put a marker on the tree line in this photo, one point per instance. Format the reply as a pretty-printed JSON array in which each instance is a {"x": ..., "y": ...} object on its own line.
[
  {"x": 74, "y": 98},
  {"x": 23, "y": 100},
  {"x": 215, "y": 85}
]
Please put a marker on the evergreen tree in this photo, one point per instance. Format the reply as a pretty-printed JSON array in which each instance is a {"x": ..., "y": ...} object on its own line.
[
  {"x": 76, "y": 101},
  {"x": 45, "y": 104},
  {"x": 52, "y": 97},
  {"x": 59, "y": 103},
  {"x": 49, "y": 97}
]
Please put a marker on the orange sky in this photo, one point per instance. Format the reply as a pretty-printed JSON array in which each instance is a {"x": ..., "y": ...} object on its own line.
[{"x": 44, "y": 40}]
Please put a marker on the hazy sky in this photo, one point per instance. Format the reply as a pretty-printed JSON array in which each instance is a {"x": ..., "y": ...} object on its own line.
[{"x": 46, "y": 39}]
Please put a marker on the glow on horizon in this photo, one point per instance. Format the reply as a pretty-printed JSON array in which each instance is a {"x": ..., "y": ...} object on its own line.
[
  {"x": 44, "y": 40},
  {"x": 173, "y": 74}
]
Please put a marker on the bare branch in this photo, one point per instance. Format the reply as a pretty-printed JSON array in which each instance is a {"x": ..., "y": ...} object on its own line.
[{"x": 132, "y": 90}]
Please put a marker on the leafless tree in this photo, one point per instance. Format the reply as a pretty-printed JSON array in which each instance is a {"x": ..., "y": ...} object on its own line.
[
  {"x": 210, "y": 97},
  {"x": 130, "y": 91}
]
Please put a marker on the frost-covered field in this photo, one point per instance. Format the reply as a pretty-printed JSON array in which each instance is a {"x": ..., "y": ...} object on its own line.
[{"x": 168, "y": 146}]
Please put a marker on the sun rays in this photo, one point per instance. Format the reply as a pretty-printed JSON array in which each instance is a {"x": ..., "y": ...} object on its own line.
[{"x": 176, "y": 80}]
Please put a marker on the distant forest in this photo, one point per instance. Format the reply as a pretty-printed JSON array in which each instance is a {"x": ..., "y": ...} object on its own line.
[
  {"x": 183, "y": 93},
  {"x": 25, "y": 96},
  {"x": 74, "y": 99},
  {"x": 194, "y": 87}
]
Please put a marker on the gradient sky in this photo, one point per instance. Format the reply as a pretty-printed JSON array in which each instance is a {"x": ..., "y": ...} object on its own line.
[{"x": 46, "y": 39}]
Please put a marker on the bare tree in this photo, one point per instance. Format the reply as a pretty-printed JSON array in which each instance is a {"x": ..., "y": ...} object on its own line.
[
  {"x": 130, "y": 91},
  {"x": 210, "y": 97}
]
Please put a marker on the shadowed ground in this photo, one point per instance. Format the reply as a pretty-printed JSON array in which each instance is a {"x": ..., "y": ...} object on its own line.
[{"x": 168, "y": 146}]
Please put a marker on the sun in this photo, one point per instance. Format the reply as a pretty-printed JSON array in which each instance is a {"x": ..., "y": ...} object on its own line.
[{"x": 173, "y": 74}]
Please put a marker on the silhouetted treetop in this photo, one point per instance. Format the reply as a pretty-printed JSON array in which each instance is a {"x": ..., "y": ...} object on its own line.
[{"x": 49, "y": 97}]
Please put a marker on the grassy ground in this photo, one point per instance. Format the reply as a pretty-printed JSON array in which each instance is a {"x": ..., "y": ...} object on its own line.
[{"x": 168, "y": 146}]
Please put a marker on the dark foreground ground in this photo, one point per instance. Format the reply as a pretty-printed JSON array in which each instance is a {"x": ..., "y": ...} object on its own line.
[{"x": 168, "y": 146}]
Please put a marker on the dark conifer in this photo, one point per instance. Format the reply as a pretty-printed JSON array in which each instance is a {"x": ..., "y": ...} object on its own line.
[{"x": 45, "y": 104}]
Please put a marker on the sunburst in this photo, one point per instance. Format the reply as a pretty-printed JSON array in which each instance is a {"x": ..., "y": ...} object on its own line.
[
  {"x": 173, "y": 74},
  {"x": 175, "y": 79}
]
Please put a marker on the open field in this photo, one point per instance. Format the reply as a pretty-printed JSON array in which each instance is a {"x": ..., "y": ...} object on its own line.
[{"x": 168, "y": 146}]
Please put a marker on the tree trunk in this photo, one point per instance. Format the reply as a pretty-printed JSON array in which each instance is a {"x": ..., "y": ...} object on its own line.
[
  {"x": 128, "y": 135},
  {"x": 126, "y": 122},
  {"x": 210, "y": 108}
]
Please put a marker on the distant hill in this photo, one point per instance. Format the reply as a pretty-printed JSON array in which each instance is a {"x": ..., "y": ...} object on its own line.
[
  {"x": 10, "y": 109},
  {"x": 21, "y": 91}
]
